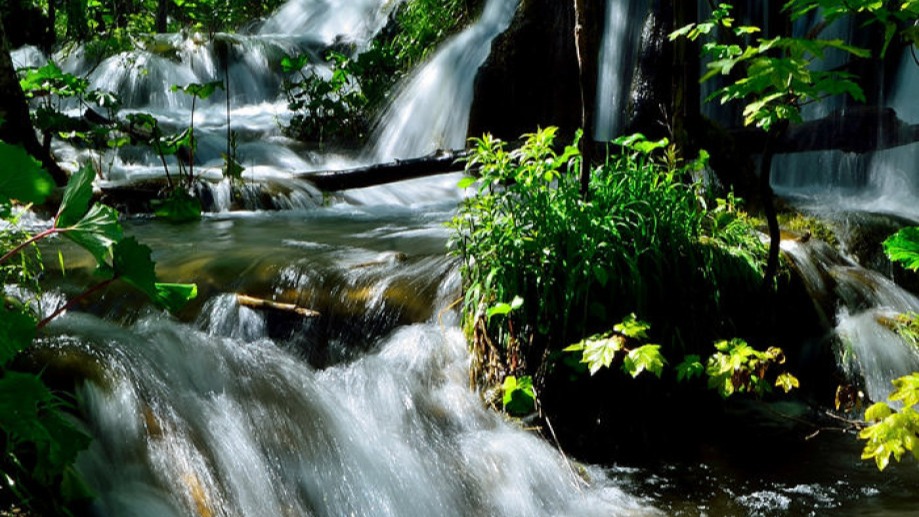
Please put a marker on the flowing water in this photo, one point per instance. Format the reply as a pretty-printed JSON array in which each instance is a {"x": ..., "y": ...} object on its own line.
[{"x": 366, "y": 409}]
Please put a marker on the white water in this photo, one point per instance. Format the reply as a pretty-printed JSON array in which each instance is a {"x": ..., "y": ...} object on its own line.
[
  {"x": 224, "y": 421},
  {"x": 621, "y": 33},
  {"x": 865, "y": 302},
  {"x": 431, "y": 111},
  {"x": 331, "y": 21}
]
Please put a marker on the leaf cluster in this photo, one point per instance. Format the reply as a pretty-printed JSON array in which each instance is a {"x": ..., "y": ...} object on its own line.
[
  {"x": 737, "y": 367},
  {"x": 893, "y": 432},
  {"x": 39, "y": 443},
  {"x": 775, "y": 77},
  {"x": 328, "y": 107},
  {"x": 637, "y": 242}
]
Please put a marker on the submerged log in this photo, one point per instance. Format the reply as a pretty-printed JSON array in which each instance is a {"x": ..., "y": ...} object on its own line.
[
  {"x": 261, "y": 303},
  {"x": 440, "y": 162}
]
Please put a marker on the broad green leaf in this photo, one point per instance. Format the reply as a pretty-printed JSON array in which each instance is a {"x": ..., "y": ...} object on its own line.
[
  {"x": 903, "y": 247},
  {"x": 600, "y": 351},
  {"x": 519, "y": 395},
  {"x": 22, "y": 177},
  {"x": 174, "y": 296},
  {"x": 17, "y": 330},
  {"x": 646, "y": 357},
  {"x": 132, "y": 264},
  {"x": 96, "y": 232},
  {"x": 76, "y": 199}
]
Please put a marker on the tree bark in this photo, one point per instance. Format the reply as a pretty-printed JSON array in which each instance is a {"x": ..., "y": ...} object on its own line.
[
  {"x": 17, "y": 126},
  {"x": 587, "y": 82}
]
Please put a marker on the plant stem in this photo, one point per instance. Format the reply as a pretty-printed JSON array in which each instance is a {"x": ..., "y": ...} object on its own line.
[
  {"x": 85, "y": 294},
  {"x": 33, "y": 239}
]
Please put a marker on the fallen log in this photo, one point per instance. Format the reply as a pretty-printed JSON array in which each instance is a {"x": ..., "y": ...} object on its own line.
[
  {"x": 439, "y": 162},
  {"x": 261, "y": 303}
]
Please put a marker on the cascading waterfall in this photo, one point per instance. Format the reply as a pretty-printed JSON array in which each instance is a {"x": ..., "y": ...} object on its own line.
[
  {"x": 218, "y": 419},
  {"x": 866, "y": 303},
  {"x": 617, "y": 55},
  {"x": 331, "y": 21},
  {"x": 431, "y": 111}
]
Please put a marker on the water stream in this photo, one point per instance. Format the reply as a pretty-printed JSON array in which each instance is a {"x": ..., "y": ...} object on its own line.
[{"x": 366, "y": 408}]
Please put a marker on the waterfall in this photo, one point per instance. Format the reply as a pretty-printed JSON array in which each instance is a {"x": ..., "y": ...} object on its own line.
[
  {"x": 331, "y": 21},
  {"x": 866, "y": 303},
  {"x": 221, "y": 420},
  {"x": 431, "y": 110},
  {"x": 617, "y": 59}
]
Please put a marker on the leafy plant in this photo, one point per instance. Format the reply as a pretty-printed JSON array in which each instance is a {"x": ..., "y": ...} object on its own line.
[
  {"x": 894, "y": 432},
  {"x": 39, "y": 443},
  {"x": 600, "y": 350},
  {"x": 903, "y": 247},
  {"x": 519, "y": 395},
  {"x": 736, "y": 367},
  {"x": 639, "y": 241},
  {"x": 327, "y": 109}
]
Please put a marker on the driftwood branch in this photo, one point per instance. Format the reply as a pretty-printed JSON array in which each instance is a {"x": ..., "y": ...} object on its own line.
[
  {"x": 261, "y": 303},
  {"x": 440, "y": 162}
]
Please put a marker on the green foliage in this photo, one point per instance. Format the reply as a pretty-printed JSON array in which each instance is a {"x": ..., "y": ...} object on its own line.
[
  {"x": 775, "y": 77},
  {"x": 903, "y": 247},
  {"x": 600, "y": 351},
  {"x": 738, "y": 367},
  {"x": 178, "y": 207},
  {"x": 638, "y": 241},
  {"x": 423, "y": 24},
  {"x": 31, "y": 184},
  {"x": 329, "y": 109},
  {"x": 894, "y": 432},
  {"x": 519, "y": 395},
  {"x": 39, "y": 443}
]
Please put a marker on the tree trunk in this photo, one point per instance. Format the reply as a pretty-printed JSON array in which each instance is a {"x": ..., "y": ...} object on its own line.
[
  {"x": 587, "y": 54},
  {"x": 17, "y": 126},
  {"x": 162, "y": 12}
]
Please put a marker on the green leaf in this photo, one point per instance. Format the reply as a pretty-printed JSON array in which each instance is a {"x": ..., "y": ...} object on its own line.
[
  {"x": 787, "y": 382},
  {"x": 17, "y": 330},
  {"x": 599, "y": 351},
  {"x": 903, "y": 247},
  {"x": 179, "y": 207},
  {"x": 22, "y": 177},
  {"x": 632, "y": 327},
  {"x": 96, "y": 232},
  {"x": 877, "y": 412},
  {"x": 504, "y": 309},
  {"x": 466, "y": 182},
  {"x": 174, "y": 296},
  {"x": 519, "y": 395},
  {"x": 132, "y": 264},
  {"x": 76, "y": 199},
  {"x": 646, "y": 357},
  {"x": 689, "y": 368}
]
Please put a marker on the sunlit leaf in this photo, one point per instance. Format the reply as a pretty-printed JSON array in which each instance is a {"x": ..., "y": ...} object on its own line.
[
  {"x": 519, "y": 395},
  {"x": 22, "y": 177},
  {"x": 96, "y": 231},
  {"x": 76, "y": 198},
  {"x": 646, "y": 357},
  {"x": 903, "y": 247}
]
